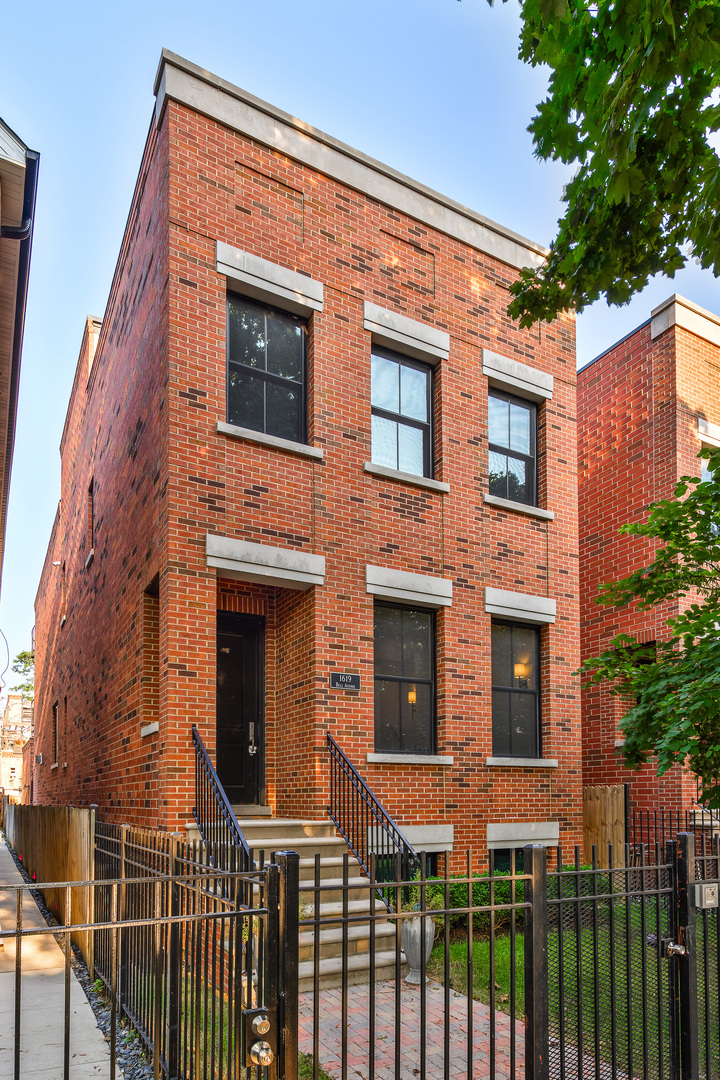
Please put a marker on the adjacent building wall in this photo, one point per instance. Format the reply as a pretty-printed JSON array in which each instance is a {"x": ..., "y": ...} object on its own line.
[{"x": 641, "y": 407}]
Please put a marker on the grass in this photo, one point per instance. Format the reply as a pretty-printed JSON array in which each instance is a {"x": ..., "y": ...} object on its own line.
[
  {"x": 627, "y": 1015},
  {"x": 305, "y": 1069},
  {"x": 481, "y": 970}
]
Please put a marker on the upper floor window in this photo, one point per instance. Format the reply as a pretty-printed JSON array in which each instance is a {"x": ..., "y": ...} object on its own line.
[
  {"x": 401, "y": 396},
  {"x": 55, "y": 731},
  {"x": 515, "y": 690},
  {"x": 267, "y": 369},
  {"x": 91, "y": 515},
  {"x": 404, "y": 680},
  {"x": 512, "y": 434}
]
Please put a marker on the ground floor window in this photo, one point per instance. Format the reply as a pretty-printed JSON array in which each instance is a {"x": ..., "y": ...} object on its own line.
[
  {"x": 515, "y": 690},
  {"x": 503, "y": 859},
  {"x": 404, "y": 680}
]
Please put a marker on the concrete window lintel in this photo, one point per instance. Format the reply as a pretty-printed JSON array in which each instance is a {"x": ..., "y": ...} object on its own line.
[
  {"x": 266, "y": 281},
  {"x": 422, "y": 590},
  {"x": 520, "y": 607},
  {"x": 503, "y": 373},
  {"x": 519, "y": 833},
  {"x": 408, "y": 336}
]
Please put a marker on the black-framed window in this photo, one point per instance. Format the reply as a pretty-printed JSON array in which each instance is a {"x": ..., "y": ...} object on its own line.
[
  {"x": 515, "y": 690},
  {"x": 267, "y": 369},
  {"x": 512, "y": 435},
  {"x": 401, "y": 398},
  {"x": 404, "y": 680},
  {"x": 504, "y": 858},
  {"x": 55, "y": 733}
]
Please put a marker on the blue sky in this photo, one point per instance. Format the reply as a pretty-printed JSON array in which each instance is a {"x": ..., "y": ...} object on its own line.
[{"x": 431, "y": 87}]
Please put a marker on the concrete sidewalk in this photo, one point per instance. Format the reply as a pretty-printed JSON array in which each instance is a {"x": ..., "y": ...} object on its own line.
[{"x": 42, "y": 996}]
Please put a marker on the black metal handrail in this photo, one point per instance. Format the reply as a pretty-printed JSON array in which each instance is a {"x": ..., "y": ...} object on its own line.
[
  {"x": 365, "y": 824},
  {"x": 227, "y": 847}
]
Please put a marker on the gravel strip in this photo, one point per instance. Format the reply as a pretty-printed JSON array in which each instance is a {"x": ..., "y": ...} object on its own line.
[{"x": 130, "y": 1056}]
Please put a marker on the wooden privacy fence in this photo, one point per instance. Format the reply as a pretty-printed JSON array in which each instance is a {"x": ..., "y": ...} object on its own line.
[
  {"x": 56, "y": 843},
  {"x": 604, "y": 812}
]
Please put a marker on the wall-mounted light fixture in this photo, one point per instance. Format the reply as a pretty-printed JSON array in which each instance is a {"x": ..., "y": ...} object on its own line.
[{"x": 412, "y": 697}]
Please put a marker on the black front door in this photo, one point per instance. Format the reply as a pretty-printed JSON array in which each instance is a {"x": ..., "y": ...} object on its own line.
[{"x": 240, "y": 696}]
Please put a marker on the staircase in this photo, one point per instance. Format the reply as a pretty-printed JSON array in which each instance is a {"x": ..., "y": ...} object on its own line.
[{"x": 319, "y": 837}]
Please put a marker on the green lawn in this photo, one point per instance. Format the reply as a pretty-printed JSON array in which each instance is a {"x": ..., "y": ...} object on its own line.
[
  {"x": 481, "y": 970},
  {"x": 598, "y": 1014}
]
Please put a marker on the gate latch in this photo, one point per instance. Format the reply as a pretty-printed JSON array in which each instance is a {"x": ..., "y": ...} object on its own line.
[{"x": 674, "y": 948}]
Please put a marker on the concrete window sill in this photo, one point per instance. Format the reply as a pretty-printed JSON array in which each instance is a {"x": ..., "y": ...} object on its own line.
[
  {"x": 301, "y": 449},
  {"x": 63, "y": 620},
  {"x": 55, "y": 765},
  {"x": 406, "y": 478},
  {"x": 410, "y": 759},
  {"x": 519, "y": 508},
  {"x": 149, "y": 729},
  {"x": 91, "y": 556},
  {"x": 521, "y": 763}
]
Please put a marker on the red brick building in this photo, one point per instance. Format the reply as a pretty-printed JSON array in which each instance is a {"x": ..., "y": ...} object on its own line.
[
  {"x": 307, "y": 443},
  {"x": 646, "y": 406}
]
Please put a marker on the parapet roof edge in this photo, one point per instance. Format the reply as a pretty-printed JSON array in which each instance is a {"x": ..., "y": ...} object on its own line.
[
  {"x": 535, "y": 253},
  {"x": 677, "y": 298}
]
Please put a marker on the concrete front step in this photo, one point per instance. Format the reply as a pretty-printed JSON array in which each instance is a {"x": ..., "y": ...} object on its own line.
[
  {"x": 331, "y": 939},
  {"x": 357, "y": 967},
  {"x": 264, "y": 827}
]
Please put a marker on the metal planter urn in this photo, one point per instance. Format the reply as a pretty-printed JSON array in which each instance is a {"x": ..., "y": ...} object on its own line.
[{"x": 411, "y": 933}]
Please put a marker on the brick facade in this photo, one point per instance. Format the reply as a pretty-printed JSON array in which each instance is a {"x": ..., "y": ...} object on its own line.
[
  {"x": 130, "y": 654},
  {"x": 645, "y": 408}
]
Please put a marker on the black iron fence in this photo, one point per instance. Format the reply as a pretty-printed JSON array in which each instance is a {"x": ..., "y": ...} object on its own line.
[
  {"x": 558, "y": 972},
  {"x": 646, "y": 828}
]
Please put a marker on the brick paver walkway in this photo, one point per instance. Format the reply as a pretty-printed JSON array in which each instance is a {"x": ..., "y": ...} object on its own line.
[{"x": 330, "y": 1034}]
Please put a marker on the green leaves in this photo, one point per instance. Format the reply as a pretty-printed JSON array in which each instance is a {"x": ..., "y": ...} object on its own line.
[
  {"x": 675, "y": 683},
  {"x": 630, "y": 102}
]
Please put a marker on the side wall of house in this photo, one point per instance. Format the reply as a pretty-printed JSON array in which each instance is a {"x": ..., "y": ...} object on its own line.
[{"x": 109, "y": 537}]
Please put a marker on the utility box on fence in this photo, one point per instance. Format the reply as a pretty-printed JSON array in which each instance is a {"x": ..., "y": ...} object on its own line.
[{"x": 706, "y": 895}]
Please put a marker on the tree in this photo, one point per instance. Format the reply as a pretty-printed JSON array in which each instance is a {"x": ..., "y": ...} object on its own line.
[
  {"x": 24, "y": 665},
  {"x": 676, "y": 682},
  {"x": 632, "y": 102}
]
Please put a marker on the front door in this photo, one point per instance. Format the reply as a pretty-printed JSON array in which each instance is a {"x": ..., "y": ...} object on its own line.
[{"x": 240, "y": 697}]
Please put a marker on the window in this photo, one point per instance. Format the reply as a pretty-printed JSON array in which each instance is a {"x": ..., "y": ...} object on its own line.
[
  {"x": 513, "y": 448},
  {"x": 503, "y": 859},
  {"x": 55, "y": 711},
  {"x": 515, "y": 690},
  {"x": 91, "y": 517},
  {"x": 267, "y": 369},
  {"x": 404, "y": 680},
  {"x": 401, "y": 397}
]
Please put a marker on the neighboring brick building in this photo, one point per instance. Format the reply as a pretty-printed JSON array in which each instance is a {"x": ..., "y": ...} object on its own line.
[
  {"x": 646, "y": 406},
  {"x": 275, "y": 468},
  {"x": 16, "y": 725}
]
